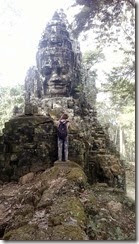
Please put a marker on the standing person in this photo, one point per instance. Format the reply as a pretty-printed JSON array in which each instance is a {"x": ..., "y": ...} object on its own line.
[{"x": 62, "y": 133}]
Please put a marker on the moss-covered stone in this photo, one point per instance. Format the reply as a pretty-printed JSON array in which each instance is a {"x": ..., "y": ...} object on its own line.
[
  {"x": 65, "y": 209},
  {"x": 77, "y": 150},
  {"x": 91, "y": 205},
  {"x": 53, "y": 207},
  {"x": 70, "y": 170},
  {"x": 46, "y": 199},
  {"x": 107, "y": 168},
  {"x": 68, "y": 232},
  {"x": 26, "y": 233},
  {"x": 27, "y": 141},
  {"x": 50, "y": 174},
  {"x": 77, "y": 175},
  {"x": 26, "y": 209}
]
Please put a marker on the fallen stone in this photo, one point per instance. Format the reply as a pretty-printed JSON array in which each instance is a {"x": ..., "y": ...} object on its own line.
[{"x": 26, "y": 178}]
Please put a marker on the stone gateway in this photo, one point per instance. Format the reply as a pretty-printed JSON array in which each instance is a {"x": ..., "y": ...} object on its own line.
[{"x": 29, "y": 140}]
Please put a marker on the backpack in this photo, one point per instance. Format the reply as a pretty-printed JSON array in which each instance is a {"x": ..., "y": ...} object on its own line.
[{"x": 62, "y": 130}]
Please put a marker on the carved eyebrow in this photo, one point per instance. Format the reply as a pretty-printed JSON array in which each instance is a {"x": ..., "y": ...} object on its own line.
[{"x": 65, "y": 67}]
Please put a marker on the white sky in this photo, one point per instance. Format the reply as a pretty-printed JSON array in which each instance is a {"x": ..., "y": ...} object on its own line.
[{"x": 21, "y": 25}]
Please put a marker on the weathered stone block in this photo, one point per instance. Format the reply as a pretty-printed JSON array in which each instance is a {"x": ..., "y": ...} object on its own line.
[
  {"x": 29, "y": 109},
  {"x": 2, "y": 146},
  {"x": 2, "y": 157},
  {"x": 107, "y": 168},
  {"x": 13, "y": 157},
  {"x": 76, "y": 146},
  {"x": 80, "y": 159},
  {"x": 16, "y": 148},
  {"x": 29, "y": 142},
  {"x": 26, "y": 178}
]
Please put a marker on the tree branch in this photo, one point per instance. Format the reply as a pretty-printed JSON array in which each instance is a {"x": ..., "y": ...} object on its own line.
[{"x": 132, "y": 2}]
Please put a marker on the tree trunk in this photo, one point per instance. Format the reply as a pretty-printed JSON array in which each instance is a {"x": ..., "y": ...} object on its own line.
[{"x": 122, "y": 145}]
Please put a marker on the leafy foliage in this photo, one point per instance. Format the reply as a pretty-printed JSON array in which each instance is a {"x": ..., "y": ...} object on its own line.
[
  {"x": 9, "y": 97},
  {"x": 122, "y": 90},
  {"x": 90, "y": 58},
  {"x": 120, "y": 109},
  {"x": 106, "y": 12}
]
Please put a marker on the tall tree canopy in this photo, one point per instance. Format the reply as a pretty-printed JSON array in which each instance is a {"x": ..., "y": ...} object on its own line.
[{"x": 108, "y": 12}]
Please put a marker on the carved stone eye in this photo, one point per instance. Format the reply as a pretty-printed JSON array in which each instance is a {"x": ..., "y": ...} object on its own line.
[
  {"x": 47, "y": 70},
  {"x": 65, "y": 70}
]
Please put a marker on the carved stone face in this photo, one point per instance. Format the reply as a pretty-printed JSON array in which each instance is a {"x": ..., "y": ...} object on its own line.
[{"x": 58, "y": 77}]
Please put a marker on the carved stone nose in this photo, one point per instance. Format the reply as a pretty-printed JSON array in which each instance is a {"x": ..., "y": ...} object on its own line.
[{"x": 55, "y": 77}]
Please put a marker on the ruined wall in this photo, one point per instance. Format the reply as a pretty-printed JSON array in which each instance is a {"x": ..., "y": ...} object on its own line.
[{"x": 28, "y": 144}]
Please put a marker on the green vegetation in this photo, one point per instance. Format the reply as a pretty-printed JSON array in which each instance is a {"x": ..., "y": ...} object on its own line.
[{"x": 9, "y": 98}]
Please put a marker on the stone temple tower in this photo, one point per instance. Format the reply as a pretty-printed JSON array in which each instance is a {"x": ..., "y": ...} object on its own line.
[
  {"x": 29, "y": 142},
  {"x": 57, "y": 59},
  {"x": 58, "y": 62}
]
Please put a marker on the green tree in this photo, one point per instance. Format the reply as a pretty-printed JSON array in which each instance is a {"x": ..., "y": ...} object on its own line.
[
  {"x": 9, "y": 98},
  {"x": 102, "y": 14},
  {"x": 120, "y": 115},
  {"x": 90, "y": 58}
]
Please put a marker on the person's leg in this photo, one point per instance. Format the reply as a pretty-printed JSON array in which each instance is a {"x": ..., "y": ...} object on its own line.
[
  {"x": 60, "y": 145},
  {"x": 66, "y": 149}
]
